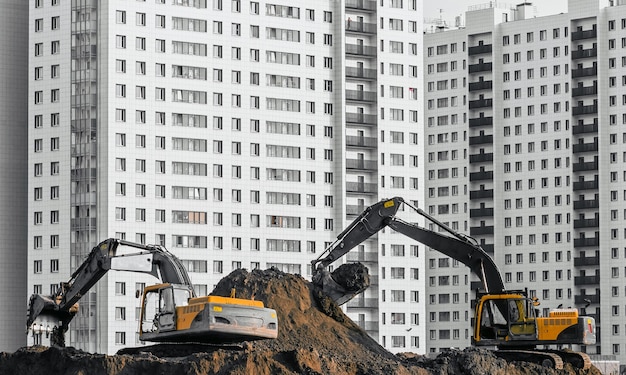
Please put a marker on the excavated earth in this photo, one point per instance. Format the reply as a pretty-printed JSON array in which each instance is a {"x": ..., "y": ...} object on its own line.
[{"x": 315, "y": 337}]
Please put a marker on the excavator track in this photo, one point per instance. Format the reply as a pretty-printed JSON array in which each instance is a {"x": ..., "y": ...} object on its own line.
[
  {"x": 578, "y": 360},
  {"x": 546, "y": 359}
]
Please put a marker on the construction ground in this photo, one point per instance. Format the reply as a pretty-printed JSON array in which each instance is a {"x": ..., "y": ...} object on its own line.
[{"x": 315, "y": 337}]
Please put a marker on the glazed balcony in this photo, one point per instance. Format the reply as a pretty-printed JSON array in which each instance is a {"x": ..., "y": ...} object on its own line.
[
  {"x": 586, "y": 223},
  {"x": 586, "y": 166},
  {"x": 585, "y": 147},
  {"x": 585, "y": 128},
  {"x": 361, "y": 165},
  {"x": 587, "y": 280},
  {"x": 481, "y": 158},
  {"x": 478, "y": 231},
  {"x": 585, "y": 91},
  {"x": 591, "y": 298},
  {"x": 481, "y": 212},
  {"x": 586, "y": 242}
]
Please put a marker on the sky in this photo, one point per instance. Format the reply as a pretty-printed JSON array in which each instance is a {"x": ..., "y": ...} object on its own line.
[{"x": 452, "y": 8}]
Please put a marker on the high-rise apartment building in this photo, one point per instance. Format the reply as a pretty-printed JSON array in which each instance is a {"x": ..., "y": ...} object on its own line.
[
  {"x": 13, "y": 166},
  {"x": 525, "y": 144},
  {"x": 239, "y": 134}
]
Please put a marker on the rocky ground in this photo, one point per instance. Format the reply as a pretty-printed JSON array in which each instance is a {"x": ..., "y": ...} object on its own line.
[{"x": 315, "y": 337}]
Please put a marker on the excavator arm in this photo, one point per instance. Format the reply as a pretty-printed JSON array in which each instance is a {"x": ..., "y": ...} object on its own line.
[
  {"x": 383, "y": 214},
  {"x": 59, "y": 309}
]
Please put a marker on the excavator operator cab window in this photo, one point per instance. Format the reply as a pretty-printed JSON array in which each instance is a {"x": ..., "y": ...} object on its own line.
[
  {"x": 181, "y": 296},
  {"x": 506, "y": 318},
  {"x": 150, "y": 311},
  {"x": 166, "y": 314}
]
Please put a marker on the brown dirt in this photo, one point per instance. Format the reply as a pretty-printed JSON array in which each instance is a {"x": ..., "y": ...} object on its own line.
[{"x": 315, "y": 337}]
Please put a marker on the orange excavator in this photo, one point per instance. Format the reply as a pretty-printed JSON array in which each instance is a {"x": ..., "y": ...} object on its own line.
[
  {"x": 170, "y": 310},
  {"x": 502, "y": 318}
]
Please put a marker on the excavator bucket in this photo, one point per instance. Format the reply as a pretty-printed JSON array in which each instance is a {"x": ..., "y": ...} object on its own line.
[
  {"x": 44, "y": 316},
  {"x": 344, "y": 283}
]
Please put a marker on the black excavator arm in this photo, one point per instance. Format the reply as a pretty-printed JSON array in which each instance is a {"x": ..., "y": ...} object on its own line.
[
  {"x": 383, "y": 214},
  {"x": 59, "y": 309}
]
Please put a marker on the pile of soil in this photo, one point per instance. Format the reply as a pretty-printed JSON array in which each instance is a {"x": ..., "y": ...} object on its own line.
[{"x": 315, "y": 337}]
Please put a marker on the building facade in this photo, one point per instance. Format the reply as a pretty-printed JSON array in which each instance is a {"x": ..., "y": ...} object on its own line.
[
  {"x": 13, "y": 164},
  {"x": 539, "y": 144},
  {"x": 204, "y": 126}
]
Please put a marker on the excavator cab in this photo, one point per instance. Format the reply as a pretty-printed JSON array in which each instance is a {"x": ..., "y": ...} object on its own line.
[
  {"x": 504, "y": 320},
  {"x": 159, "y": 307}
]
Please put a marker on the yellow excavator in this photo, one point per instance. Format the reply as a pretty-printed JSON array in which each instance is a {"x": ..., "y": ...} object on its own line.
[
  {"x": 170, "y": 311},
  {"x": 504, "y": 319}
]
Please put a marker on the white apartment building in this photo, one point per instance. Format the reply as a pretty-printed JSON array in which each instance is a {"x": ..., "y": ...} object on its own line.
[
  {"x": 539, "y": 131},
  {"x": 13, "y": 164},
  {"x": 239, "y": 134}
]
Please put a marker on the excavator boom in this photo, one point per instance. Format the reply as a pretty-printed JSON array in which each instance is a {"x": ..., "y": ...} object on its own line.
[{"x": 383, "y": 214}]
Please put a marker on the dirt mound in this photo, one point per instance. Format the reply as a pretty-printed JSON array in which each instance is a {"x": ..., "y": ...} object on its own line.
[{"x": 315, "y": 337}]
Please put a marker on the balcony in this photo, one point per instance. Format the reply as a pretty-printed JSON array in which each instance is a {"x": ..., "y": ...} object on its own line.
[
  {"x": 488, "y": 247},
  {"x": 88, "y": 51},
  {"x": 479, "y": 50},
  {"x": 585, "y": 72},
  {"x": 585, "y": 91},
  {"x": 586, "y": 242},
  {"x": 586, "y": 204},
  {"x": 480, "y": 121},
  {"x": 480, "y": 67},
  {"x": 362, "y": 165},
  {"x": 481, "y": 194},
  {"x": 586, "y": 223},
  {"x": 364, "y": 5},
  {"x": 586, "y": 185},
  {"x": 481, "y": 212},
  {"x": 587, "y": 166},
  {"x": 362, "y": 257},
  {"x": 587, "y": 261},
  {"x": 481, "y": 158},
  {"x": 360, "y": 187},
  {"x": 587, "y": 280},
  {"x": 481, "y": 85},
  {"x": 585, "y": 110},
  {"x": 360, "y": 27},
  {"x": 585, "y": 147},
  {"x": 360, "y": 119},
  {"x": 361, "y": 73},
  {"x": 354, "y": 210},
  {"x": 83, "y": 222},
  {"x": 480, "y": 103},
  {"x": 585, "y": 128},
  {"x": 584, "y": 34},
  {"x": 359, "y": 303},
  {"x": 478, "y": 231},
  {"x": 580, "y": 299},
  {"x": 481, "y": 139},
  {"x": 358, "y": 141},
  {"x": 584, "y": 53},
  {"x": 480, "y": 176},
  {"x": 358, "y": 50},
  {"x": 369, "y": 326},
  {"x": 361, "y": 96}
]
